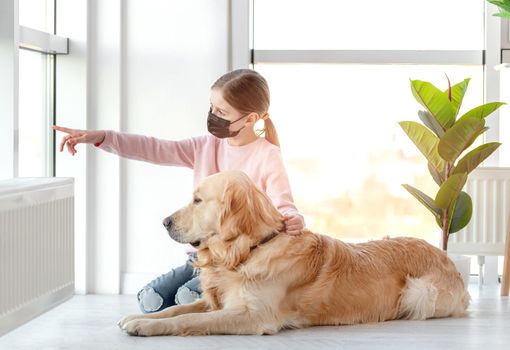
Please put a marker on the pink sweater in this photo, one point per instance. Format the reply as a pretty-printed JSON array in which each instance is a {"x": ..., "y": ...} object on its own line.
[{"x": 207, "y": 155}]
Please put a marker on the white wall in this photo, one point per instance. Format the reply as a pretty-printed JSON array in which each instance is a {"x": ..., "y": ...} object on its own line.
[
  {"x": 141, "y": 67},
  {"x": 71, "y": 110},
  {"x": 174, "y": 52}
]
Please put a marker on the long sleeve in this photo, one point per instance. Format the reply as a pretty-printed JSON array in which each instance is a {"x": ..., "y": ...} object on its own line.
[
  {"x": 277, "y": 184},
  {"x": 150, "y": 149}
]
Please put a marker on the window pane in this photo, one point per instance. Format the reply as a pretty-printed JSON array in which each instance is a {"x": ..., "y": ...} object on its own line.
[
  {"x": 345, "y": 153},
  {"x": 369, "y": 24},
  {"x": 34, "y": 133},
  {"x": 37, "y": 14}
]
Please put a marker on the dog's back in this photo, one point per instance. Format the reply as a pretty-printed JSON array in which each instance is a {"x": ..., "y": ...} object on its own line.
[{"x": 329, "y": 282}]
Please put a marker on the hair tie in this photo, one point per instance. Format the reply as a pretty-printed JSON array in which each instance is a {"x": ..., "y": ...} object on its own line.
[{"x": 265, "y": 117}]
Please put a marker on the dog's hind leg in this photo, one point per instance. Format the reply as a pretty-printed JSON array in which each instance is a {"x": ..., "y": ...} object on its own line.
[
  {"x": 453, "y": 298},
  {"x": 418, "y": 299},
  {"x": 433, "y": 296}
]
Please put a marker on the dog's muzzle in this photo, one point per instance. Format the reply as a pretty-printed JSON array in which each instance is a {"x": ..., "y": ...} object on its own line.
[{"x": 168, "y": 223}]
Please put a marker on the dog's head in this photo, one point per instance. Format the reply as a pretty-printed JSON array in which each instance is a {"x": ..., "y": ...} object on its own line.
[{"x": 226, "y": 217}]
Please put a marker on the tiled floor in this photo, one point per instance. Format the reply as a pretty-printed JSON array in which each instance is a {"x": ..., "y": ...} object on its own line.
[{"x": 89, "y": 322}]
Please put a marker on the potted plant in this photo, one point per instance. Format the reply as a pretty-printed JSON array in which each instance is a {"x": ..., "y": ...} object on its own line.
[
  {"x": 504, "y": 8},
  {"x": 443, "y": 139}
]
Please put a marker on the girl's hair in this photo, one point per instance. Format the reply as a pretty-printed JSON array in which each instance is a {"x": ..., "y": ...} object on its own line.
[{"x": 247, "y": 91}]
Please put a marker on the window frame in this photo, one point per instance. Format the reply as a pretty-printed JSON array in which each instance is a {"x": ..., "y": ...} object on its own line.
[
  {"x": 496, "y": 47},
  {"x": 51, "y": 45}
]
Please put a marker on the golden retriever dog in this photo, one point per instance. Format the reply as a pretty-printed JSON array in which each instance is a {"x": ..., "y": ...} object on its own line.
[{"x": 257, "y": 280}]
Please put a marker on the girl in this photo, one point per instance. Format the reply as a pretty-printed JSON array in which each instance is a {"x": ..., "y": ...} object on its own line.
[{"x": 238, "y": 100}]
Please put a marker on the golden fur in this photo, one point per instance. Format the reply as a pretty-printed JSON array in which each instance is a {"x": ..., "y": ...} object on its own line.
[{"x": 255, "y": 282}]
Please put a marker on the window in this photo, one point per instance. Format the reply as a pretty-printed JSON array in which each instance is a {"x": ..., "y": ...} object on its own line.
[
  {"x": 369, "y": 24},
  {"x": 37, "y": 14},
  {"x": 36, "y": 88},
  {"x": 337, "y": 119},
  {"x": 35, "y": 114}
]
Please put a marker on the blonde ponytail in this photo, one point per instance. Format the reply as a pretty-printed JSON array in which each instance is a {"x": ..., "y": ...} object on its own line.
[{"x": 270, "y": 132}]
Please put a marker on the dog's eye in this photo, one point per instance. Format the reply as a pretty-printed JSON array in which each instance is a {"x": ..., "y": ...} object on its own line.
[{"x": 196, "y": 200}]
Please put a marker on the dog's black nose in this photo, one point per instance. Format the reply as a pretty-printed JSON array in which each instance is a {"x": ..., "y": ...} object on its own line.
[{"x": 167, "y": 222}]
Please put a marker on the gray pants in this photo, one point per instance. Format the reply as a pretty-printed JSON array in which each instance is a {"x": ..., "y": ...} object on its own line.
[{"x": 179, "y": 286}]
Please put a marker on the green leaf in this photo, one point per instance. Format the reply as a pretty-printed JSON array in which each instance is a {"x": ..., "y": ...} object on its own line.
[
  {"x": 503, "y": 14},
  {"x": 424, "y": 199},
  {"x": 472, "y": 159},
  {"x": 431, "y": 122},
  {"x": 485, "y": 128},
  {"x": 503, "y": 5},
  {"x": 461, "y": 213},
  {"x": 459, "y": 137},
  {"x": 458, "y": 91},
  {"x": 435, "y": 102},
  {"x": 436, "y": 175},
  {"x": 426, "y": 142},
  {"x": 439, "y": 222},
  {"x": 482, "y": 111},
  {"x": 449, "y": 190}
]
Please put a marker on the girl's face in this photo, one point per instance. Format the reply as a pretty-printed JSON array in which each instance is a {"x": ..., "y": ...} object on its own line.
[
  {"x": 240, "y": 127},
  {"x": 222, "y": 109}
]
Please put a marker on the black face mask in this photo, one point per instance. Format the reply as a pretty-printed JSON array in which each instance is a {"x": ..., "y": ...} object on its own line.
[{"x": 220, "y": 127}]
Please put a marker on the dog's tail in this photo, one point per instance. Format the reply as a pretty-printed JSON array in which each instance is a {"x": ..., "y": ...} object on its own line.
[{"x": 425, "y": 297}]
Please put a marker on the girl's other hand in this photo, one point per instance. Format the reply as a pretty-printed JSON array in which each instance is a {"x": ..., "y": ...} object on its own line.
[
  {"x": 75, "y": 136},
  {"x": 294, "y": 224}
]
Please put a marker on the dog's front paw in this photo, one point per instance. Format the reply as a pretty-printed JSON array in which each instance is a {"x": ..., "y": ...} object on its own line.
[
  {"x": 123, "y": 321},
  {"x": 143, "y": 328}
]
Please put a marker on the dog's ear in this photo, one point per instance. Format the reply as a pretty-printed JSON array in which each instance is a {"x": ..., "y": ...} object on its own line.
[
  {"x": 246, "y": 218},
  {"x": 264, "y": 212},
  {"x": 235, "y": 216},
  {"x": 247, "y": 210}
]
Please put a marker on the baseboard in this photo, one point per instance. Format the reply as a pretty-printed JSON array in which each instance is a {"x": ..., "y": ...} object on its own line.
[{"x": 34, "y": 308}]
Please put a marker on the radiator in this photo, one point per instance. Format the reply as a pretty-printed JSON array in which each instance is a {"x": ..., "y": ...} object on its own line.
[
  {"x": 36, "y": 247},
  {"x": 489, "y": 188}
]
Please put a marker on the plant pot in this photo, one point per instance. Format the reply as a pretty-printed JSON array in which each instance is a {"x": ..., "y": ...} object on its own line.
[{"x": 463, "y": 265}]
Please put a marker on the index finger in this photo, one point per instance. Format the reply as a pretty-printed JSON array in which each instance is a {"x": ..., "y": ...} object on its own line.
[{"x": 61, "y": 128}]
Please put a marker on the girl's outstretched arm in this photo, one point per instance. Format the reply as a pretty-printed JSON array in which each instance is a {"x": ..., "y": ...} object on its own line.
[{"x": 132, "y": 146}]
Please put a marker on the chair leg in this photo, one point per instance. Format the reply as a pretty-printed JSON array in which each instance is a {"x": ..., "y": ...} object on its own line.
[
  {"x": 505, "y": 281},
  {"x": 481, "y": 262}
]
